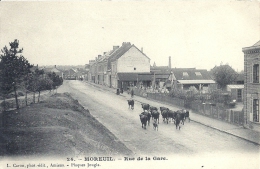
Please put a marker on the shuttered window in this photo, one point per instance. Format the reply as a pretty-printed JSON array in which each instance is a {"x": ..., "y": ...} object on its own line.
[
  {"x": 256, "y": 73},
  {"x": 256, "y": 110}
]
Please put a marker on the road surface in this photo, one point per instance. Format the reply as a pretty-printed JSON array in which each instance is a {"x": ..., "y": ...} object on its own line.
[{"x": 194, "y": 140}]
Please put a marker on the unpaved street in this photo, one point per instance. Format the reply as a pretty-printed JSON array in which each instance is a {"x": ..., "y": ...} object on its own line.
[{"x": 192, "y": 140}]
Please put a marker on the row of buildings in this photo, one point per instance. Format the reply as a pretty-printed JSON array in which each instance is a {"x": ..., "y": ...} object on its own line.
[{"x": 126, "y": 65}]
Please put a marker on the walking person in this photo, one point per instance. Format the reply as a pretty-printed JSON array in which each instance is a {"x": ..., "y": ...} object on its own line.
[{"x": 132, "y": 93}]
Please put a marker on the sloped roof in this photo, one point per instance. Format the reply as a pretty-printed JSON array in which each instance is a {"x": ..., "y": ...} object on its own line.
[
  {"x": 257, "y": 43},
  {"x": 179, "y": 74},
  {"x": 255, "y": 46},
  {"x": 120, "y": 51}
]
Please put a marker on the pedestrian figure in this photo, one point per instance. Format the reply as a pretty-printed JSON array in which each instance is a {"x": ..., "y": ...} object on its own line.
[{"x": 132, "y": 93}]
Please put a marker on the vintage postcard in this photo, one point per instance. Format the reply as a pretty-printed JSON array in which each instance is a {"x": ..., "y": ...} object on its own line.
[{"x": 129, "y": 84}]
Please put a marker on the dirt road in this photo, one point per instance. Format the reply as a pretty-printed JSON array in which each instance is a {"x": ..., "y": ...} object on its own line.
[{"x": 192, "y": 140}]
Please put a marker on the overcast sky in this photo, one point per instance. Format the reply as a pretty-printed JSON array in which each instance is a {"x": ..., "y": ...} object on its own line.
[{"x": 198, "y": 34}]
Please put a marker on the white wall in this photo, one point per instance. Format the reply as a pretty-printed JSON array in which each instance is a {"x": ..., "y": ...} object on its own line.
[{"x": 133, "y": 58}]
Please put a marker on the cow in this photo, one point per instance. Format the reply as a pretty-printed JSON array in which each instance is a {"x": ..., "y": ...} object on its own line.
[
  {"x": 182, "y": 115},
  {"x": 172, "y": 115},
  {"x": 163, "y": 108},
  {"x": 187, "y": 114},
  {"x": 131, "y": 104},
  {"x": 155, "y": 115},
  {"x": 153, "y": 108},
  {"x": 165, "y": 115},
  {"x": 143, "y": 119},
  {"x": 145, "y": 106},
  {"x": 155, "y": 125}
]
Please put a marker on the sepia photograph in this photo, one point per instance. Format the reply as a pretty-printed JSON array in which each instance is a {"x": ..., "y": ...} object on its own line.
[{"x": 126, "y": 84}]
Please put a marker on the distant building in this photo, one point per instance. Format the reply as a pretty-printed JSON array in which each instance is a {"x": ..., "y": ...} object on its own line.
[
  {"x": 55, "y": 70},
  {"x": 184, "y": 78},
  {"x": 252, "y": 86},
  {"x": 71, "y": 74}
]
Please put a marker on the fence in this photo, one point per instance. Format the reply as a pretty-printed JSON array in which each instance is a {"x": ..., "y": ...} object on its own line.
[{"x": 216, "y": 111}]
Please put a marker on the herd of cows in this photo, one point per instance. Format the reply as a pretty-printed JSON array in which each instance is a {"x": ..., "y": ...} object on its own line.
[{"x": 149, "y": 112}]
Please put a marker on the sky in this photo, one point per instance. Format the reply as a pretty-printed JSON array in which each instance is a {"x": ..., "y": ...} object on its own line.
[{"x": 196, "y": 34}]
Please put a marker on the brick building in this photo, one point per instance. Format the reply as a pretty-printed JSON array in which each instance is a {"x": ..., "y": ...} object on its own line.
[{"x": 252, "y": 86}]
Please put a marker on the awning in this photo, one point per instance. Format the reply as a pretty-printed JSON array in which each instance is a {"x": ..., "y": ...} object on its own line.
[
  {"x": 145, "y": 77},
  {"x": 127, "y": 76},
  {"x": 196, "y": 81},
  {"x": 134, "y": 77}
]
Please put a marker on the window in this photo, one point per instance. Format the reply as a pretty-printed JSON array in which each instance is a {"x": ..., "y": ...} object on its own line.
[
  {"x": 198, "y": 74},
  {"x": 185, "y": 74},
  {"x": 239, "y": 95},
  {"x": 255, "y": 110},
  {"x": 134, "y": 68},
  {"x": 256, "y": 73}
]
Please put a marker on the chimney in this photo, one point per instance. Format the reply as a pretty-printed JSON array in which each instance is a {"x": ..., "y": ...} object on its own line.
[
  {"x": 115, "y": 47},
  {"x": 142, "y": 49},
  {"x": 126, "y": 43},
  {"x": 99, "y": 56},
  {"x": 170, "y": 62},
  {"x": 105, "y": 53},
  {"x": 55, "y": 66}
]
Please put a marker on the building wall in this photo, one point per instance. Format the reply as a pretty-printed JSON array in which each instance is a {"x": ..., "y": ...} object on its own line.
[
  {"x": 133, "y": 61},
  {"x": 251, "y": 90}
]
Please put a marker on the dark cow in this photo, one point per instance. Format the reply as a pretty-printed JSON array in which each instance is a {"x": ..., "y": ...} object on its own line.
[
  {"x": 143, "y": 119},
  {"x": 165, "y": 115},
  {"x": 153, "y": 108},
  {"x": 163, "y": 108},
  {"x": 187, "y": 114},
  {"x": 172, "y": 115},
  {"x": 182, "y": 115},
  {"x": 155, "y": 115},
  {"x": 131, "y": 104},
  {"x": 145, "y": 106}
]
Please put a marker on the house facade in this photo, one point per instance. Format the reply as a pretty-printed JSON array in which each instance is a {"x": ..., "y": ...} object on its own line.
[
  {"x": 251, "y": 86},
  {"x": 128, "y": 61},
  {"x": 71, "y": 74}
]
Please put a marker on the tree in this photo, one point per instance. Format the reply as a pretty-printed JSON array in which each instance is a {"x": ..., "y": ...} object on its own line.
[
  {"x": 13, "y": 68},
  {"x": 224, "y": 75},
  {"x": 56, "y": 79},
  {"x": 35, "y": 82}
]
